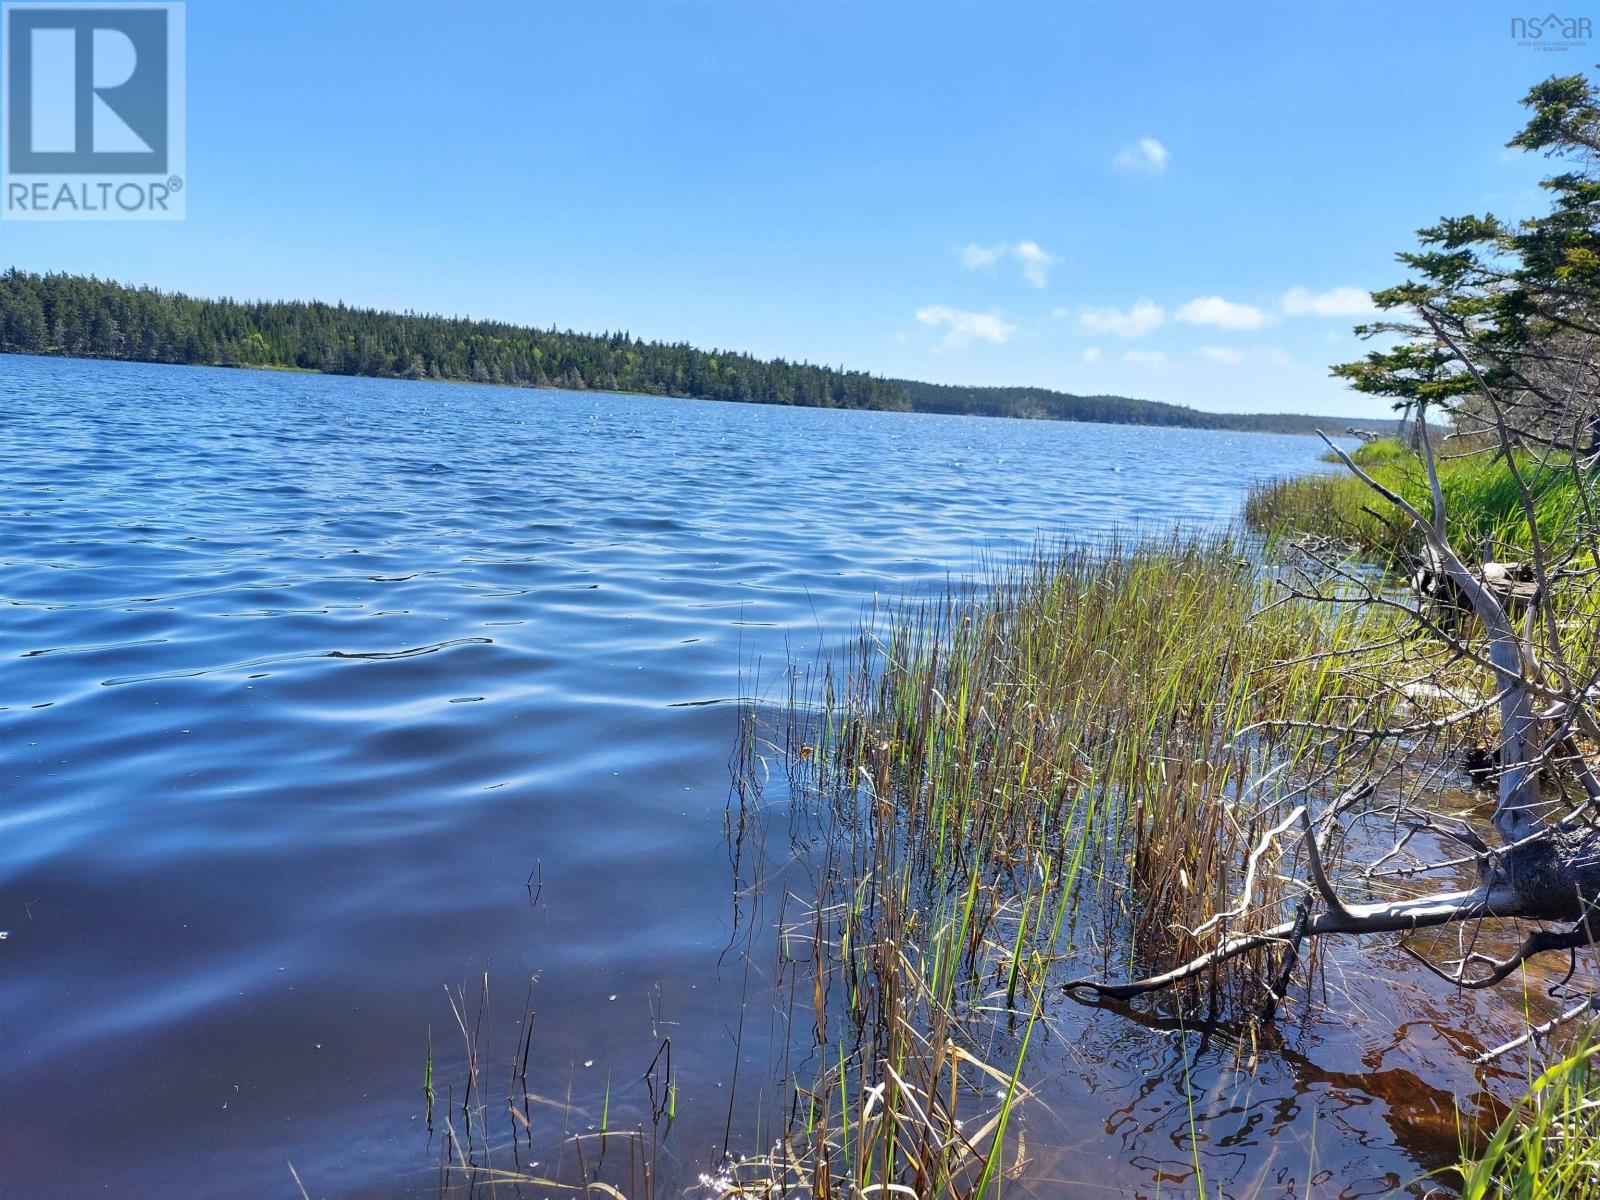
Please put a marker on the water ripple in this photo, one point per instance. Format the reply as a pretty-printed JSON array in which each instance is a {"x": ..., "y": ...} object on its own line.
[{"x": 302, "y": 675}]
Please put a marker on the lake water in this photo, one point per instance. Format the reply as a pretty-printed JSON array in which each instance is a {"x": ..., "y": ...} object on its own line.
[{"x": 320, "y": 696}]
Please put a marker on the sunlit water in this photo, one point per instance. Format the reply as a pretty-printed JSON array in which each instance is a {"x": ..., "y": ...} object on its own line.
[{"x": 319, "y": 696}]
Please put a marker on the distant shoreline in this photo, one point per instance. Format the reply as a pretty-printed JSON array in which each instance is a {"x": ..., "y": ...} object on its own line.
[
  {"x": 74, "y": 316},
  {"x": 1335, "y": 426}
]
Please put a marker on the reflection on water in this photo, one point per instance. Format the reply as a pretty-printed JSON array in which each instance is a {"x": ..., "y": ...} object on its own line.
[{"x": 305, "y": 681}]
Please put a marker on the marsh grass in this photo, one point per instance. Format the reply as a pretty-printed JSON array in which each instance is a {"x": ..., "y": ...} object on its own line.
[
  {"x": 498, "y": 1137},
  {"x": 1331, "y": 506},
  {"x": 1481, "y": 496},
  {"x": 1070, "y": 768},
  {"x": 1548, "y": 1148},
  {"x": 1486, "y": 514}
]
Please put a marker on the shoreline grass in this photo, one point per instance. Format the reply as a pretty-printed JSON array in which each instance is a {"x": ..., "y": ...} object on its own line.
[
  {"x": 1072, "y": 770},
  {"x": 1004, "y": 788},
  {"x": 1481, "y": 497},
  {"x": 1548, "y": 1147}
]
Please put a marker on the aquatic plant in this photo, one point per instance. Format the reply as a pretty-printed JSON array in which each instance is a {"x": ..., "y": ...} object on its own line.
[
  {"x": 1548, "y": 1147},
  {"x": 1075, "y": 764}
]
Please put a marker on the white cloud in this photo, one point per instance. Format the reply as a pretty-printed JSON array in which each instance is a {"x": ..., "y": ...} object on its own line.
[
  {"x": 1146, "y": 157},
  {"x": 1225, "y": 356},
  {"x": 1036, "y": 261},
  {"x": 1145, "y": 358},
  {"x": 1224, "y": 314},
  {"x": 974, "y": 255},
  {"x": 963, "y": 328},
  {"x": 1132, "y": 322},
  {"x": 1335, "y": 302},
  {"x": 1091, "y": 354}
]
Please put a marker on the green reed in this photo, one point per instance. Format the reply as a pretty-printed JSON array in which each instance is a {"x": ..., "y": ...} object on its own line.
[
  {"x": 990, "y": 775},
  {"x": 1548, "y": 1147},
  {"x": 1487, "y": 517},
  {"x": 1062, "y": 771}
]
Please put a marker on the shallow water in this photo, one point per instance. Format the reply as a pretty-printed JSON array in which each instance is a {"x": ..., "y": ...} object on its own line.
[{"x": 319, "y": 696}]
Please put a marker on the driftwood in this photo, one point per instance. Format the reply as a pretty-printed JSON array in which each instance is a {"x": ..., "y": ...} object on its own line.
[
  {"x": 1512, "y": 584},
  {"x": 1546, "y": 868}
]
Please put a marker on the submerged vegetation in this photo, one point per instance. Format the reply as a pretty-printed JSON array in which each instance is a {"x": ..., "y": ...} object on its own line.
[
  {"x": 1074, "y": 768},
  {"x": 999, "y": 790}
]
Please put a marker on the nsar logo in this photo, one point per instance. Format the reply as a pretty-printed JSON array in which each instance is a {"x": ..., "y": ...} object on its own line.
[{"x": 1551, "y": 32}]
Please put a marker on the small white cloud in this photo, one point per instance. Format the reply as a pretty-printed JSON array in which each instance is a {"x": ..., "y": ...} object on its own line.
[
  {"x": 1145, "y": 157},
  {"x": 963, "y": 328},
  {"x": 1335, "y": 302},
  {"x": 974, "y": 256},
  {"x": 1091, "y": 354},
  {"x": 1137, "y": 321},
  {"x": 1225, "y": 356},
  {"x": 1035, "y": 263},
  {"x": 1035, "y": 260},
  {"x": 1145, "y": 358},
  {"x": 1224, "y": 314}
]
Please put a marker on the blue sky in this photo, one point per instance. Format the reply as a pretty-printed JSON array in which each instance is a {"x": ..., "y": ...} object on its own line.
[{"x": 1158, "y": 200}]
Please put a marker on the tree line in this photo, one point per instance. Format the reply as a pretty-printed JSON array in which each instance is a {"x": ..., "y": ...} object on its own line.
[{"x": 83, "y": 316}]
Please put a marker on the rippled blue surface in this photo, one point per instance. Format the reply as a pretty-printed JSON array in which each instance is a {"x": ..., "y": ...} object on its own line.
[{"x": 301, "y": 676}]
